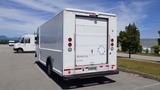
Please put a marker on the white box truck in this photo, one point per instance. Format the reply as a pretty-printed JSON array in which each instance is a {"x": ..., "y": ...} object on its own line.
[
  {"x": 78, "y": 44},
  {"x": 26, "y": 44}
]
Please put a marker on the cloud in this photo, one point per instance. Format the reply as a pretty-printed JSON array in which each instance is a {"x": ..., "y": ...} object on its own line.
[
  {"x": 10, "y": 18},
  {"x": 17, "y": 14},
  {"x": 36, "y": 5},
  {"x": 127, "y": 12},
  {"x": 57, "y": 5}
]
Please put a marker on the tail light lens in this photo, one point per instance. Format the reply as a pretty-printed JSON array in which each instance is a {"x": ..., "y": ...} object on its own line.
[
  {"x": 69, "y": 44},
  {"x": 69, "y": 39},
  {"x": 78, "y": 68},
  {"x": 112, "y": 40},
  {"x": 112, "y": 44}
]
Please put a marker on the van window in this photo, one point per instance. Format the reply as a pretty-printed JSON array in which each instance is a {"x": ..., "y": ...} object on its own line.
[
  {"x": 22, "y": 40},
  {"x": 37, "y": 37},
  {"x": 27, "y": 40}
]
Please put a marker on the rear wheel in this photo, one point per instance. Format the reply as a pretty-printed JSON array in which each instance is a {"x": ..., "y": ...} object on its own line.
[{"x": 49, "y": 69}]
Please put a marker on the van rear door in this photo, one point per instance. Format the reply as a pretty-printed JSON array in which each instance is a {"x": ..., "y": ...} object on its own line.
[{"x": 91, "y": 40}]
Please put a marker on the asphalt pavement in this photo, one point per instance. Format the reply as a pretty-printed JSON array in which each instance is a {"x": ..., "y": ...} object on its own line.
[{"x": 21, "y": 71}]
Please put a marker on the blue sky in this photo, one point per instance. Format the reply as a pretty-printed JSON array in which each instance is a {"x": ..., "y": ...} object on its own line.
[{"x": 18, "y": 17}]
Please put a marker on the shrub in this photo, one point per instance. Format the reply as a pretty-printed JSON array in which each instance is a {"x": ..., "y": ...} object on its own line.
[{"x": 156, "y": 49}]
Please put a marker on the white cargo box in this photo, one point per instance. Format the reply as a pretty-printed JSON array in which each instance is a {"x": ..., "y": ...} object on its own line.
[{"x": 79, "y": 43}]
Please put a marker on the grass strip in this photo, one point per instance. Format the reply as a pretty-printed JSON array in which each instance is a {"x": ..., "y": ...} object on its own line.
[{"x": 145, "y": 69}]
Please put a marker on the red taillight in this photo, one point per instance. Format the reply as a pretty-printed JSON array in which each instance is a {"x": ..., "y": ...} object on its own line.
[
  {"x": 69, "y": 44},
  {"x": 112, "y": 40},
  {"x": 112, "y": 44},
  {"x": 69, "y": 39},
  {"x": 100, "y": 66}
]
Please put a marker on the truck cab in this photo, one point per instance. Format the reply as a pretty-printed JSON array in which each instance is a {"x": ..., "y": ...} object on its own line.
[{"x": 26, "y": 44}]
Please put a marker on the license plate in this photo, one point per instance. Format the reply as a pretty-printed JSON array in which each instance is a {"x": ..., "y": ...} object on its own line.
[{"x": 92, "y": 68}]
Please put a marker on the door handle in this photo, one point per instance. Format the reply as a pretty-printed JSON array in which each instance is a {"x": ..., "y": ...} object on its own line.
[{"x": 92, "y": 51}]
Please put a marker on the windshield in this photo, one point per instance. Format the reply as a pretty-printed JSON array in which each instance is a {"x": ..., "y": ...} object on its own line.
[{"x": 21, "y": 40}]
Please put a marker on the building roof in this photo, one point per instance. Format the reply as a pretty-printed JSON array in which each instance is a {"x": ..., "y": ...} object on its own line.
[
  {"x": 87, "y": 11},
  {"x": 147, "y": 43}
]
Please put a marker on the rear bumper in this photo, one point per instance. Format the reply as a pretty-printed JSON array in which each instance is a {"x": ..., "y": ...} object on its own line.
[{"x": 94, "y": 74}]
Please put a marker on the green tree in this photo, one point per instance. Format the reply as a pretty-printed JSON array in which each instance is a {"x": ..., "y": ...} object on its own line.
[
  {"x": 156, "y": 49},
  {"x": 130, "y": 39},
  {"x": 122, "y": 39},
  {"x": 3, "y": 41}
]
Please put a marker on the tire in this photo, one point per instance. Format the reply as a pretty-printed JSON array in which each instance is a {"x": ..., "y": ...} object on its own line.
[
  {"x": 49, "y": 69},
  {"x": 35, "y": 54},
  {"x": 19, "y": 50}
]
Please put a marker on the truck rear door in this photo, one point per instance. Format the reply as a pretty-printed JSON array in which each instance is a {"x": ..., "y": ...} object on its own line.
[{"x": 91, "y": 40}]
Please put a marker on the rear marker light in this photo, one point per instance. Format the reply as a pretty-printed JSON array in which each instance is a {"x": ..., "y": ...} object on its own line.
[
  {"x": 107, "y": 65},
  {"x": 93, "y": 15},
  {"x": 77, "y": 68},
  {"x": 67, "y": 69}
]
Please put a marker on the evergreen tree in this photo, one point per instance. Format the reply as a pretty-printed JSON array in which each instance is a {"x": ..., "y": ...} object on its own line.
[{"x": 130, "y": 39}]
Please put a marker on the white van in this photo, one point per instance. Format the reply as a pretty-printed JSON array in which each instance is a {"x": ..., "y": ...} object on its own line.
[
  {"x": 11, "y": 43},
  {"x": 25, "y": 44},
  {"x": 79, "y": 44}
]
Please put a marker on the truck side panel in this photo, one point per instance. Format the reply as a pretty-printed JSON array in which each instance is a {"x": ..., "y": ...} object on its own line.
[{"x": 51, "y": 42}]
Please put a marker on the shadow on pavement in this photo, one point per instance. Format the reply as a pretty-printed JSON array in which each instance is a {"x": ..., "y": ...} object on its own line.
[
  {"x": 27, "y": 52},
  {"x": 76, "y": 83}
]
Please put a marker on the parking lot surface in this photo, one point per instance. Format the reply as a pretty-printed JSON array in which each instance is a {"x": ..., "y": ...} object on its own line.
[{"x": 20, "y": 71}]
